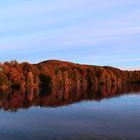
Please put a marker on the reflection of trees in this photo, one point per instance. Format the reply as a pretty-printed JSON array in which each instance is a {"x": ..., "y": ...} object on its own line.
[{"x": 12, "y": 100}]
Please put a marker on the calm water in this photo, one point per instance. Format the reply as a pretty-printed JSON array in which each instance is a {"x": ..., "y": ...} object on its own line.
[{"x": 116, "y": 118}]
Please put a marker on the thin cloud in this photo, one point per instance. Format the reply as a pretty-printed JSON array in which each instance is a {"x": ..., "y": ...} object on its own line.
[{"x": 73, "y": 28}]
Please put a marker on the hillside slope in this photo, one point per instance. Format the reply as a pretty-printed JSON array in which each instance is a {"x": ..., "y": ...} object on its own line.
[{"x": 62, "y": 75}]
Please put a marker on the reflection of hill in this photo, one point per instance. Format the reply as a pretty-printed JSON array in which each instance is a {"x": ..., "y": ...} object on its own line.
[{"x": 17, "y": 99}]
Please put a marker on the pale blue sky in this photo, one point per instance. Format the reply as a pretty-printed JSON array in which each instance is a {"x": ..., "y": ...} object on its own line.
[{"x": 98, "y": 32}]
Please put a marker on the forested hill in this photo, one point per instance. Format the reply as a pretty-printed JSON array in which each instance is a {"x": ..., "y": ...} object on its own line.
[{"x": 62, "y": 75}]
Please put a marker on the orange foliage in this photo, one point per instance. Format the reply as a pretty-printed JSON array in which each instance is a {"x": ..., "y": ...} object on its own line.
[{"x": 62, "y": 75}]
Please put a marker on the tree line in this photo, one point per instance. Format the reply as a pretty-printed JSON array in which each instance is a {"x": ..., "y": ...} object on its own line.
[{"x": 64, "y": 76}]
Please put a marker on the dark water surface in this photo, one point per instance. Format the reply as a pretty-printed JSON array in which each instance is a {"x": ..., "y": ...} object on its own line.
[{"x": 116, "y": 118}]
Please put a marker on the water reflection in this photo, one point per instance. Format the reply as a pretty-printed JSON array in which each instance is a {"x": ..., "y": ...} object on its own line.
[{"x": 13, "y": 100}]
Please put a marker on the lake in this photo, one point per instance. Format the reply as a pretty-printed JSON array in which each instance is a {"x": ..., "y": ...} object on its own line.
[{"x": 112, "y": 116}]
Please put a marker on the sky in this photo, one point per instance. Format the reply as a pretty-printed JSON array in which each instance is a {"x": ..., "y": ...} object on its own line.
[{"x": 95, "y": 32}]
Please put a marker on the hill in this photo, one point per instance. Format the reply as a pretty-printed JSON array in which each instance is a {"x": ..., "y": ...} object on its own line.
[{"x": 62, "y": 75}]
